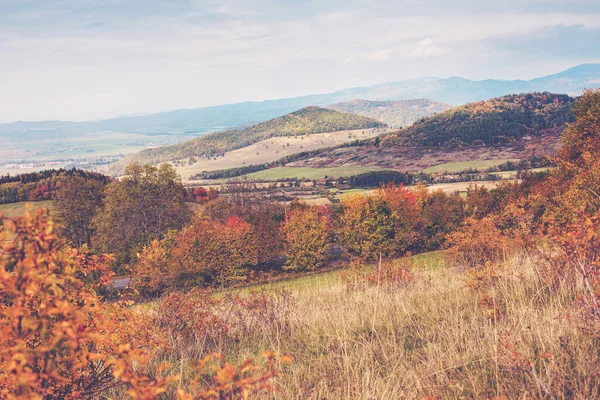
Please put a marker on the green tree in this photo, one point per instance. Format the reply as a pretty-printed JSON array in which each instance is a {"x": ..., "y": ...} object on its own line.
[
  {"x": 77, "y": 201},
  {"x": 143, "y": 205}
]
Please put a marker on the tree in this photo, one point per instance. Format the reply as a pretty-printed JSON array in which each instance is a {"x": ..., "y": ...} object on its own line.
[
  {"x": 77, "y": 201},
  {"x": 144, "y": 205},
  {"x": 441, "y": 214},
  {"x": 206, "y": 253},
  {"x": 578, "y": 160},
  {"x": 380, "y": 224},
  {"x": 307, "y": 232}
]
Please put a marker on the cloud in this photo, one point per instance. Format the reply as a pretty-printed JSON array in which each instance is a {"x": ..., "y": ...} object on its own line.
[
  {"x": 383, "y": 55},
  {"x": 74, "y": 59},
  {"x": 558, "y": 41}
]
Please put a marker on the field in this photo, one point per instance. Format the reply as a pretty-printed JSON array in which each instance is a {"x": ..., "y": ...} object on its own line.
[
  {"x": 460, "y": 187},
  {"x": 273, "y": 149},
  {"x": 432, "y": 336},
  {"x": 277, "y": 173},
  {"x": 17, "y": 209},
  {"x": 452, "y": 167}
]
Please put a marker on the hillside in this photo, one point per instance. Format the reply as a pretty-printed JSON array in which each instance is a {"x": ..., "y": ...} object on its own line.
[
  {"x": 509, "y": 127},
  {"x": 452, "y": 90},
  {"x": 307, "y": 121},
  {"x": 397, "y": 114},
  {"x": 495, "y": 121}
]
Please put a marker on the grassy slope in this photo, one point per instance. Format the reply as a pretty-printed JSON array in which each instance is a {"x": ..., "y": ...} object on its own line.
[
  {"x": 309, "y": 120},
  {"x": 308, "y": 173},
  {"x": 394, "y": 113},
  {"x": 432, "y": 337},
  {"x": 510, "y": 127},
  {"x": 498, "y": 120},
  {"x": 273, "y": 149},
  {"x": 461, "y": 166}
]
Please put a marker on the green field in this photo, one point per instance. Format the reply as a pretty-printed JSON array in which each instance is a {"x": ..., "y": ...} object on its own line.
[
  {"x": 16, "y": 209},
  {"x": 451, "y": 167},
  {"x": 277, "y": 173},
  {"x": 321, "y": 280}
]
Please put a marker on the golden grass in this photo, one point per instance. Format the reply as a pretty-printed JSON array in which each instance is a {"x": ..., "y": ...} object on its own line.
[
  {"x": 275, "y": 148},
  {"x": 434, "y": 337}
]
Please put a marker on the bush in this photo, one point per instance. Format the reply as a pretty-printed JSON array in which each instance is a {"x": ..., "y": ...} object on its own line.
[
  {"x": 387, "y": 274},
  {"x": 190, "y": 320},
  {"x": 477, "y": 243}
]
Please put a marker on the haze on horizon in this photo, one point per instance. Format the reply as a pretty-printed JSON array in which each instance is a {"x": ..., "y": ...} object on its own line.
[{"x": 75, "y": 60}]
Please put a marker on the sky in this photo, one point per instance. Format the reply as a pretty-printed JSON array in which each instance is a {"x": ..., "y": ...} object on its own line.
[{"x": 92, "y": 59}]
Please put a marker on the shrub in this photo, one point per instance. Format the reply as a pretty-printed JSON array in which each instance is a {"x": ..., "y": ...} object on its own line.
[
  {"x": 264, "y": 313},
  {"x": 56, "y": 341},
  {"x": 229, "y": 381},
  {"x": 477, "y": 243},
  {"x": 387, "y": 274},
  {"x": 190, "y": 320}
]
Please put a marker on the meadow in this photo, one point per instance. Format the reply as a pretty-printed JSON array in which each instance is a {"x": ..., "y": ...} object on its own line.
[
  {"x": 278, "y": 173},
  {"x": 272, "y": 149},
  {"x": 451, "y": 167},
  {"x": 17, "y": 209},
  {"x": 433, "y": 336}
]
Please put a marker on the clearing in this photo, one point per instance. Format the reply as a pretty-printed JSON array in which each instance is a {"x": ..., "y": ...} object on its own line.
[
  {"x": 452, "y": 167},
  {"x": 273, "y": 174},
  {"x": 17, "y": 209}
]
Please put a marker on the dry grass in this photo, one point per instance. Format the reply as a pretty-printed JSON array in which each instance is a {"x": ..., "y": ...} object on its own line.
[
  {"x": 436, "y": 337},
  {"x": 275, "y": 148}
]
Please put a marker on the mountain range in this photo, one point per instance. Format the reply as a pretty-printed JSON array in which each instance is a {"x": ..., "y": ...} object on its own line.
[
  {"x": 396, "y": 114},
  {"x": 196, "y": 122}
]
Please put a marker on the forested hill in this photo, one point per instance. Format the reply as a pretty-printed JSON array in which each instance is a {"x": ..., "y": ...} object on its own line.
[
  {"x": 496, "y": 121},
  {"x": 306, "y": 121},
  {"x": 396, "y": 114}
]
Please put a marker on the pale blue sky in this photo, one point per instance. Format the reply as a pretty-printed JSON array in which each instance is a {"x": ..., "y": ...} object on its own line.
[{"x": 84, "y": 59}]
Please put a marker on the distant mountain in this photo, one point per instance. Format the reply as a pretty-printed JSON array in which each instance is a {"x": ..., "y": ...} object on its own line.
[
  {"x": 199, "y": 121},
  {"x": 495, "y": 121},
  {"x": 396, "y": 114},
  {"x": 306, "y": 121}
]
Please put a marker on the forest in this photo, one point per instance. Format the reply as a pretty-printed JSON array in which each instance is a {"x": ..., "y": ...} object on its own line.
[
  {"x": 495, "y": 121},
  {"x": 420, "y": 294}
]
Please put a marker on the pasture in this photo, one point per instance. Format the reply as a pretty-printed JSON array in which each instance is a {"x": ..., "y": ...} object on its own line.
[
  {"x": 452, "y": 167},
  {"x": 17, "y": 209},
  {"x": 278, "y": 173}
]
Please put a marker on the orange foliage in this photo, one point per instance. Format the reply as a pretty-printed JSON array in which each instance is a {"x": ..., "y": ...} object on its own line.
[
  {"x": 59, "y": 341},
  {"x": 379, "y": 225},
  {"x": 53, "y": 341},
  {"x": 203, "y": 254},
  {"x": 229, "y": 382},
  {"x": 307, "y": 234},
  {"x": 479, "y": 242}
]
